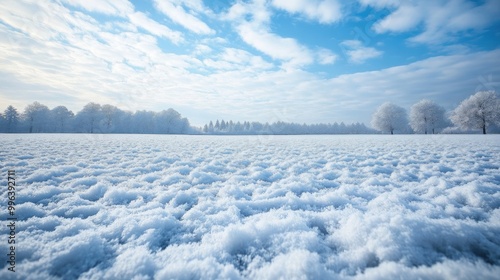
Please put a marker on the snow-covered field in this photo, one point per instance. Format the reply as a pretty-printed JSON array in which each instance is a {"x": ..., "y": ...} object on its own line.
[{"x": 253, "y": 207}]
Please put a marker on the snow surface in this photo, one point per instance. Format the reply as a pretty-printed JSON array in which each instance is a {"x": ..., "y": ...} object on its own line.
[{"x": 254, "y": 207}]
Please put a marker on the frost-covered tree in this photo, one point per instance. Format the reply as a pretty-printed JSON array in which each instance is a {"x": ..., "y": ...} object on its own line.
[
  {"x": 183, "y": 126},
  {"x": 426, "y": 116},
  {"x": 217, "y": 126},
  {"x": 222, "y": 125},
  {"x": 238, "y": 128},
  {"x": 211, "y": 127},
  {"x": 94, "y": 118},
  {"x": 478, "y": 111},
  {"x": 89, "y": 117},
  {"x": 285, "y": 128},
  {"x": 11, "y": 119},
  {"x": 2, "y": 123},
  {"x": 61, "y": 118},
  {"x": 247, "y": 127},
  {"x": 171, "y": 122},
  {"x": 110, "y": 118},
  {"x": 143, "y": 122},
  {"x": 343, "y": 128},
  {"x": 36, "y": 116},
  {"x": 123, "y": 122},
  {"x": 389, "y": 117}
]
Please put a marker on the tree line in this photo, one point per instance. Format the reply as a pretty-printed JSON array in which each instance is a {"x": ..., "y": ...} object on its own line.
[
  {"x": 93, "y": 118},
  {"x": 96, "y": 118},
  {"x": 479, "y": 111},
  {"x": 282, "y": 128}
]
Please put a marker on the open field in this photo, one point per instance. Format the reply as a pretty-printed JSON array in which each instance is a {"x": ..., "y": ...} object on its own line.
[{"x": 258, "y": 207}]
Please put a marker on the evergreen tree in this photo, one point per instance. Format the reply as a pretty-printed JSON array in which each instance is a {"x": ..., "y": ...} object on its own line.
[
  {"x": 11, "y": 118},
  {"x": 217, "y": 126}
]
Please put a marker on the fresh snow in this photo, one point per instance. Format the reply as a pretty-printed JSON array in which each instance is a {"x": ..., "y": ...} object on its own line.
[{"x": 254, "y": 207}]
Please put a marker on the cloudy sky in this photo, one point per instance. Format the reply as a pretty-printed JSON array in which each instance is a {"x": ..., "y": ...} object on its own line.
[{"x": 258, "y": 60}]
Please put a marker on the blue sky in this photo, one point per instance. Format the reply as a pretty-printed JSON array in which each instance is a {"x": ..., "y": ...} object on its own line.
[{"x": 276, "y": 60}]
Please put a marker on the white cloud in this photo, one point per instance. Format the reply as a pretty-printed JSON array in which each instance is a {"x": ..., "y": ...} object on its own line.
[
  {"x": 96, "y": 65},
  {"x": 202, "y": 49},
  {"x": 252, "y": 22},
  {"x": 301, "y": 96},
  {"x": 440, "y": 21},
  {"x": 403, "y": 19},
  {"x": 457, "y": 19},
  {"x": 286, "y": 49},
  {"x": 73, "y": 57},
  {"x": 444, "y": 79},
  {"x": 177, "y": 13},
  {"x": 323, "y": 11},
  {"x": 195, "y": 5},
  {"x": 256, "y": 11},
  {"x": 109, "y": 7},
  {"x": 325, "y": 56},
  {"x": 143, "y": 21},
  {"x": 42, "y": 19},
  {"x": 238, "y": 59},
  {"x": 380, "y": 3},
  {"x": 357, "y": 53}
]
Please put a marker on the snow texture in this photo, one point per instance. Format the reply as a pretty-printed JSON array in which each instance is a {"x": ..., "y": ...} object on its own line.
[{"x": 249, "y": 207}]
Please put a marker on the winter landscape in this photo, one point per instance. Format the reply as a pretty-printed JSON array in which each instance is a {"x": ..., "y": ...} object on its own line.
[
  {"x": 254, "y": 207},
  {"x": 249, "y": 139}
]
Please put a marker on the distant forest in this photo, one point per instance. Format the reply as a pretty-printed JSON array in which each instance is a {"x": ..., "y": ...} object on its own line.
[
  {"x": 481, "y": 111},
  {"x": 96, "y": 118},
  {"x": 283, "y": 128}
]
